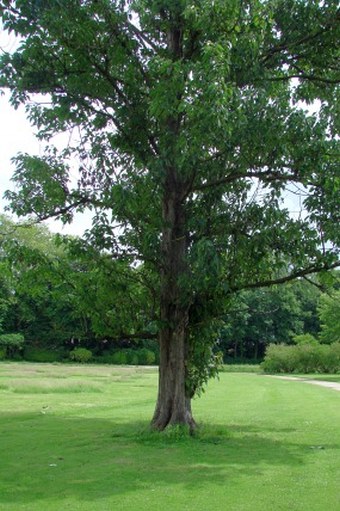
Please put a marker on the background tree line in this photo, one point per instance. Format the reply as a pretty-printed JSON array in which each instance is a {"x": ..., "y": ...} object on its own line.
[{"x": 58, "y": 294}]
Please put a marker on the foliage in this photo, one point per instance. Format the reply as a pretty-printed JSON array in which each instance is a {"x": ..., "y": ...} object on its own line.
[
  {"x": 12, "y": 340},
  {"x": 329, "y": 313},
  {"x": 204, "y": 362},
  {"x": 303, "y": 358},
  {"x": 260, "y": 317},
  {"x": 146, "y": 357},
  {"x": 56, "y": 290},
  {"x": 133, "y": 358},
  {"x": 11, "y": 344},
  {"x": 142, "y": 356},
  {"x": 305, "y": 339},
  {"x": 119, "y": 357},
  {"x": 81, "y": 355},
  {"x": 36, "y": 354},
  {"x": 36, "y": 272}
]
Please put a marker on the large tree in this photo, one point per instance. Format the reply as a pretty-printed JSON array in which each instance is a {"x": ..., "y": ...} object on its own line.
[{"x": 189, "y": 125}]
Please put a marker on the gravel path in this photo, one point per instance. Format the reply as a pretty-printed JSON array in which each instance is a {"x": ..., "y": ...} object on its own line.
[{"x": 330, "y": 384}]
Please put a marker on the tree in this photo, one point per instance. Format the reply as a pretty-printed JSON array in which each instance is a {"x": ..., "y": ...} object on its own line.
[
  {"x": 329, "y": 312},
  {"x": 33, "y": 269},
  {"x": 261, "y": 317},
  {"x": 307, "y": 293},
  {"x": 272, "y": 315},
  {"x": 53, "y": 290},
  {"x": 190, "y": 132}
]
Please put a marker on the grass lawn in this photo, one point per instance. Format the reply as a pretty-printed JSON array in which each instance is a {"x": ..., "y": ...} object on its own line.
[{"x": 75, "y": 438}]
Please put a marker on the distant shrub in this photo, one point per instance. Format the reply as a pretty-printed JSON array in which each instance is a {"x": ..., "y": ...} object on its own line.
[
  {"x": 132, "y": 357},
  {"x": 33, "y": 354},
  {"x": 308, "y": 358},
  {"x": 142, "y": 356},
  {"x": 279, "y": 359},
  {"x": 104, "y": 353},
  {"x": 103, "y": 359},
  {"x": 119, "y": 357},
  {"x": 146, "y": 357},
  {"x": 331, "y": 357},
  {"x": 240, "y": 368},
  {"x": 127, "y": 356},
  {"x": 17, "y": 356},
  {"x": 305, "y": 339},
  {"x": 2, "y": 353},
  {"x": 11, "y": 344},
  {"x": 81, "y": 355},
  {"x": 303, "y": 358}
]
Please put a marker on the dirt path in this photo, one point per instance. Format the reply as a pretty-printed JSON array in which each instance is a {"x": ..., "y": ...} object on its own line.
[{"x": 330, "y": 384}]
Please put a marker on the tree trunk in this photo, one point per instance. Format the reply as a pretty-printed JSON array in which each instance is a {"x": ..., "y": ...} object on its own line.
[{"x": 173, "y": 404}]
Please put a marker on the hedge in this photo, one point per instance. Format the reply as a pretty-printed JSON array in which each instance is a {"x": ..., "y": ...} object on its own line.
[
  {"x": 304, "y": 358},
  {"x": 33, "y": 354}
]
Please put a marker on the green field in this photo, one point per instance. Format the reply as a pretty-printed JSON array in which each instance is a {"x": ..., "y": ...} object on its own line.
[{"x": 76, "y": 438}]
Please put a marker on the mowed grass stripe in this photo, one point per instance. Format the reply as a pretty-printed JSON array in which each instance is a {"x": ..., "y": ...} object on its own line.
[{"x": 262, "y": 444}]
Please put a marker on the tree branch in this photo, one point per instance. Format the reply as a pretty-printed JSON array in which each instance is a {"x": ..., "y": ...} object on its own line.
[
  {"x": 268, "y": 176},
  {"x": 143, "y": 38},
  {"x": 287, "y": 278},
  {"x": 302, "y": 76},
  {"x": 64, "y": 210},
  {"x": 286, "y": 45}
]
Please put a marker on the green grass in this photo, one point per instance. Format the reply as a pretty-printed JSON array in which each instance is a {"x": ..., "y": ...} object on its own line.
[{"x": 263, "y": 444}]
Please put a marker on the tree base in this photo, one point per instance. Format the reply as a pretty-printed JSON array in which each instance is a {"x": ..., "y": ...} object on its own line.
[{"x": 165, "y": 417}]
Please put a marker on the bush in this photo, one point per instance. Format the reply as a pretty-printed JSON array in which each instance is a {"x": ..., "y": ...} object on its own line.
[
  {"x": 279, "y": 359},
  {"x": 331, "y": 358},
  {"x": 11, "y": 344},
  {"x": 146, "y": 357},
  {"x": 132, "y": 357},
  {"x": 103, "y": 359},
  {"x": 305, "y": 339},
  {"x": 303, "y": 358},
  {"x": 2, "y": 353},
  {"x": 308, "y": 359},
  {"x": 33, "y": 354},
  {"x": 119, "y": 357},
  {"x": 81, "y": 355},
  {"x": 142, "y": 356}
]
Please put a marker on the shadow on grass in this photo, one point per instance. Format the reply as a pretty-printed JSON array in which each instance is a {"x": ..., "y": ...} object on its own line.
[{"x": 52, "y": 457}]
